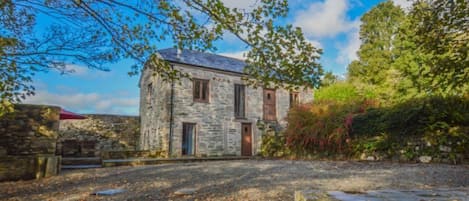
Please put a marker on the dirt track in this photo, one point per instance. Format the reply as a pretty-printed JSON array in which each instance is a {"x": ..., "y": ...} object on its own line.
[{"x": 237, "y": 180}]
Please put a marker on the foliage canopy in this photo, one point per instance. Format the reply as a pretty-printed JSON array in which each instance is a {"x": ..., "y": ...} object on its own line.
[
  {"x": 95, "y": 33},
  {"x": 419, "y": 53}
]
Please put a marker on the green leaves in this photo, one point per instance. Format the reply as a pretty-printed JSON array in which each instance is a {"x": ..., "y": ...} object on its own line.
[
  {"x": 97, "y": 33},
  {"x": 377, "y": 32},
  {"x": 438, "y": 34},
  {"x": 328, "y": 79},
  {"x": 279, "y": 56},
  {"x": 423, "y": 52}
]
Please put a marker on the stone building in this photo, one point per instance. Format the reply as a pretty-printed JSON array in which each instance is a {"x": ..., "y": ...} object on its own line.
[{"x": 212, "y": 114}]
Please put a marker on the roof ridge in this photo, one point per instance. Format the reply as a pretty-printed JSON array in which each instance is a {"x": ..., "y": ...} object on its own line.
[{"x": 202, "y": 52}]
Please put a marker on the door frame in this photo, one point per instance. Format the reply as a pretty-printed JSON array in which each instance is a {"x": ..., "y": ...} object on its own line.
[
  {"x": 242, "y": 138},
  {"x": 194, "y": 138}
]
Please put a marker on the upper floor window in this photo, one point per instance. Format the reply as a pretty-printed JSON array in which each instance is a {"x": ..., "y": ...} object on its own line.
[
  {"x": 201, "y": 90},
  {"x": 239, "y": 101},
  {"x": 294, "y": 99},
  {"x": 149, "y": 94}
]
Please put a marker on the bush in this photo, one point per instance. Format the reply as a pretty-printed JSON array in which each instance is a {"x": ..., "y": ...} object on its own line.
[
  {"x": 339, "y": 92},
  {"x": 434, "y": 126},
  {"x": 342, "y": 121},
  {"x": 345, "y": 92},
  {"x": 322, "y": 127},
  {"x": 273, "y": 145},
  {"x": 413, "y": 117}
]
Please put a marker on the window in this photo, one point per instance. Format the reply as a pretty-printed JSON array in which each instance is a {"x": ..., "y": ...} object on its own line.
[
  {"x": 294, "y": 99},
  {"x": 201, "y": 90},
  {"x": 239, "y": 101},
  {"x": 149, "y": 94}
]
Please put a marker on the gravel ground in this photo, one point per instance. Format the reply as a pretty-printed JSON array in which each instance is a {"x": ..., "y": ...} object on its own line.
[{"x": 238, "y": 180}]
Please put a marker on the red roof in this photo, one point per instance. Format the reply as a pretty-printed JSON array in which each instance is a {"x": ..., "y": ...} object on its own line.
[{"x": 64, "y": 114}]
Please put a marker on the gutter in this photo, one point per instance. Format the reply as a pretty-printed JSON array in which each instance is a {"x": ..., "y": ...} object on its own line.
[{"x": 171, "y": 118}]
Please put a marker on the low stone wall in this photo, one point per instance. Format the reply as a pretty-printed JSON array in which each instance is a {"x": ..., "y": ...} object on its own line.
[
  {"x": 28, "y": 167},
  {"x": 28, "y": 142},
  {"x": 89, "y": 137},
  {"x": 131, "y": 154}
]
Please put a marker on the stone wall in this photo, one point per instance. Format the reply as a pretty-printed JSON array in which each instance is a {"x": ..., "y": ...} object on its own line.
[
  {"x": 155, "y": 104},
  {"x": 87, "y": 137},
  {"x": 28, "y": 142},
  {"x": 218, "y": 132}
]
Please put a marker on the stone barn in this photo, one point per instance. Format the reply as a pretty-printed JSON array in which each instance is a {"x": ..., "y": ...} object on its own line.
[{"x": 211, "y": 114}]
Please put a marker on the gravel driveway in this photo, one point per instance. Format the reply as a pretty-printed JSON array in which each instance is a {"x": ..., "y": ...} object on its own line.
[{"x": 237, "y": 180}]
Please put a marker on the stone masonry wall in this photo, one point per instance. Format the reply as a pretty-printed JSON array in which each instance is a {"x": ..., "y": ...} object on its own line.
[
  {"x": 155, "y": 114},
  {"x": 218, "y": 132},
  {"x": 30, "y": 130},
  {"x": 28, "y": 139},
  {"x": 110, "y": 132}
]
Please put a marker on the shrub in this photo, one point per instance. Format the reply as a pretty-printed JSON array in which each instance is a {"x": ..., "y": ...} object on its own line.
[
  {"x": 412, "y": 117},
  {"x": 339, "y": 92},
  {"x": 322, "y": 127},
  {"x": 345, "y": 92},
  {"x": 273, "y": 145},
  {"x": 435, "y": 126}
]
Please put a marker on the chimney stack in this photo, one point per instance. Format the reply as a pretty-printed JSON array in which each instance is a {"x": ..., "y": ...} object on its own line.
[{"x": 178, "y": 53}]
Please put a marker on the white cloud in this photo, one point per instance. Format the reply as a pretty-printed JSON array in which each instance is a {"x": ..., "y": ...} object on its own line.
[
  {"x": 240, "y": 4},
  {"x": 83, "y": 71},
  {"x": 348, "y": 50},
  {"x": 87, "y": 102},
  {"x": 315, "y": 43},
  {"x": 241, "y": 54},
  {"x": 405, "y": 4},
  {"x": 237, "y": 55},
  {"x": 230, "y": 38},
  {"x": 325, "y": 19},
  {"x": 76, "y": 69}
]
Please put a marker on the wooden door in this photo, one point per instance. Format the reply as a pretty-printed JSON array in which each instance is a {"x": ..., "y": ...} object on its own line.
[
  {"x": 246, "y": 140},
  {"x": 270, "y": 112}
]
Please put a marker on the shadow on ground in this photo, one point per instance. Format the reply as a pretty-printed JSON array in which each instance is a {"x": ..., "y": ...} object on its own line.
[{"x": 237, "y": 180}]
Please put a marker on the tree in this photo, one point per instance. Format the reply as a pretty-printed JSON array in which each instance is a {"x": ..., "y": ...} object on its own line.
[
  {"x": 374, "y": 68},
  {"x": 328, "y": 79},
  {"x": 98, "y": 32},
  {"x": 433, "y": 47},
  {"x": 377, "y": 32}
]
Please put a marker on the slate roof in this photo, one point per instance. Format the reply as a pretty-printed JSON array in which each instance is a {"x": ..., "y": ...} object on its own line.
[{"x": 202, "y": 59}]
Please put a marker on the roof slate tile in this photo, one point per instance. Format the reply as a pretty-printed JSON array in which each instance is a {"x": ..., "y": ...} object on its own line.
[{"x": 203, "y": 59}]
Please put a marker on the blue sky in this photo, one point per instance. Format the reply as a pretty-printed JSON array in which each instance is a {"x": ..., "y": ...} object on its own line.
[{"x": 332, "y": 25}]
